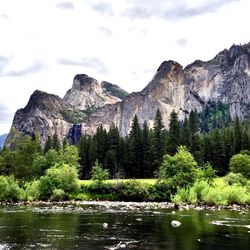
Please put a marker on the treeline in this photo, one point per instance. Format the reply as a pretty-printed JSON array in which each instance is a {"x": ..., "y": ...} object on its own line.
[{"x": 138, "y": 155}]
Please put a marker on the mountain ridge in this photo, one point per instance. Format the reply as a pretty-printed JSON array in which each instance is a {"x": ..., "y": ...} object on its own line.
[{"x": 225, "y": 78}]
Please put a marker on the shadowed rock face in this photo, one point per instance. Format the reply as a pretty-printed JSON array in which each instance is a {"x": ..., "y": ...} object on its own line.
[{"x": 225, "y": 78}]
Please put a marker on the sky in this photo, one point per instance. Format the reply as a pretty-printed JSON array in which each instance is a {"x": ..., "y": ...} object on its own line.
[{"x": 45, "y": 43}]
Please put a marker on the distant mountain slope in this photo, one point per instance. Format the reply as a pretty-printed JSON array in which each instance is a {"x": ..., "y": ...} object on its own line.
[
  {"x": 2, "y": 139},
  {"x": 114, "y": 90}
]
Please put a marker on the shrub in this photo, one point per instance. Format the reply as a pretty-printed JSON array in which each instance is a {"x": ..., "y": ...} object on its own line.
[
  {"x": 134, "y": 191},
  {"x": 32, "y": 190},
  {"x": 9, "y": 189},
  {"x": 237, "y": 178},
  {"x": 59, "y": 177},
  {"x": 98, "y": 174},
  {"x": 57, "y": 195},
  {"x": 240, "y": 163},
  {"x": 181, "y": 196},
  {"x": 180, "y": 169}
]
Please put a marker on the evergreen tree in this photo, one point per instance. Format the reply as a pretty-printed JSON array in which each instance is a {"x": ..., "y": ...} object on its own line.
[
  {"x": 158, "y": 140},
  {"x": 101, "y": 144},
  {"x": 185, "y": 134},
  {"x": 135, "y": 149},
  {"x": 219, "y": 159},
  {"x": 84, "y": 155},
  {"x": 237, "y": 136},
  {"x": 245, "y": 141},
  {"x": 147, "y": 155},
  {"x": 48, "y": 145},
  {"x": 174, "y": 134},
  {"x": 56, "y": 144},
  {"x": 228, "y": 144},
  {"x": 111, "y": 161},
  {"x": 195, "y": 139}
]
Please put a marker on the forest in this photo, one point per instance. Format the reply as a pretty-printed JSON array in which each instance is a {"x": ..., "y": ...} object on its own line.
[{"x": 200, "y": 148}]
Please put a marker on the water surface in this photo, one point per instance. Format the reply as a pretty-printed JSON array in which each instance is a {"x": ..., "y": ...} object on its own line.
[{"x": 96, "y": 227}]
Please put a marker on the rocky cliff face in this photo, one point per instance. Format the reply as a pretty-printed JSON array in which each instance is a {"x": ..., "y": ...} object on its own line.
[
  {"x": 86, "y": 93},
  {"x": 42, "y": 116},
  {"x": 225, "y": 78}
]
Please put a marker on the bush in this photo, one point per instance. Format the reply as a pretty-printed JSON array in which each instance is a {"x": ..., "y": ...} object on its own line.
[
  {"x": 240, "y": 163},
  {"x": 9, "y": 189},
  {"x": 57, "y": 195},
  {"x": 237, "y": 178},
  {"x": 32, "y": 190},
  {"x": 180, "y": 169},
  {"x": 98, "y": 174},
  {"x": 134, "y": 191},
  {"x": 62, "y": 177}
]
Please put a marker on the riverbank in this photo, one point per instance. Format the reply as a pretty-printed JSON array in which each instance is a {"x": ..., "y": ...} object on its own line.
[{"x": 130, "y": 206}]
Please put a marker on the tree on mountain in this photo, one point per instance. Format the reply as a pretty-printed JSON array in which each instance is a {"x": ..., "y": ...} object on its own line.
[{"x": 48, "y": 145}]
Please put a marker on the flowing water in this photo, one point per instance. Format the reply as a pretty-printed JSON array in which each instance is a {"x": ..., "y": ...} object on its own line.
[{"x": 97, "y": 227}]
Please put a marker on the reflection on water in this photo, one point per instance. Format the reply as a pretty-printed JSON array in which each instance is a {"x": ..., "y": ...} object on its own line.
[{"x": 95, "y": 227}]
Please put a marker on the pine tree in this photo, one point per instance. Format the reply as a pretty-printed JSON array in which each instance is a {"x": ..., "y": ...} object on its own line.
[
  {"x": 219, "y": 159},
  {"x": 101, "y": 144},
  {"x": 147, "y": 155},
  {"x": 185, "y": 134},
  {"x": 245, "y": 141},
  {"x": 195, "y": 139},
  {"x": 158, "y": 140},
  {"x": 56, "y": 144},
  {"x": 48, "y": 145},
  {"x": 135, "y": 149},
  {"x": 237, "y": 136},
  {"x": 84, "y": 155},
  {"x": 174, "y": 133},
  {"x": 113, "y": 142}
]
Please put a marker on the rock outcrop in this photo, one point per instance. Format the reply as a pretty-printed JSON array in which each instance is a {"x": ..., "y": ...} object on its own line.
[
  {"x": 43, "y": 115},
  {"x": 87, "y": 93},
  {"x": 225, "y": 78}
]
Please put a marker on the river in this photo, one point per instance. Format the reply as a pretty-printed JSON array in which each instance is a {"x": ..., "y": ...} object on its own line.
[{"x": 92, "y": 226}]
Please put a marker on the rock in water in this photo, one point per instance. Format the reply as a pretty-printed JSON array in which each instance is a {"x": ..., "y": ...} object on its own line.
[{"x": 175, "y": 223}]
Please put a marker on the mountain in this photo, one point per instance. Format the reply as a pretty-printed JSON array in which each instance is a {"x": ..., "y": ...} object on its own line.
[
  {"x": 2, "y": 139},
  {"x": 224, "y": 79}
]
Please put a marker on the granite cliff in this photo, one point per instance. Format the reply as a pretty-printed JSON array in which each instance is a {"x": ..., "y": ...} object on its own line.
[{"x": 225, "y": 78}]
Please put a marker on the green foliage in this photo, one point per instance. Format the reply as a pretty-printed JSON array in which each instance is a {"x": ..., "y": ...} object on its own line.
[
  {"x": 63, "y": 177},
  {"x": 235, "y": 178},
  {"x": 72, "y": 116},
  {"x": 9, "y": 189},
  {"x": 174, "y": 134},
  {"x": 180, "y": 169},
  {"x": 32, "y": 190},
  {"x": 215, "y": 115},
  {"x": 98, "y": 174},
  {"x": 240, "y": 163},
  {"x": 134, "y": 191},
  {"x": 205, "y": 193},
  {"x": 58, "y": 195}
]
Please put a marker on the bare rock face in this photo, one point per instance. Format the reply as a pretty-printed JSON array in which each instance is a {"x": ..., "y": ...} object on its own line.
[
  {"x": 226, "y": 79},
  {"x": 88, "y": 104},
  {"x": 43, "y": 116},
  {"x": 86, "y": 93},
  {"x": 165, "y": 91}
]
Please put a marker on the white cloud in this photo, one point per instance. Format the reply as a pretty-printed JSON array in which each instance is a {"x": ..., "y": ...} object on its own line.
[{"x": 122, "y": 41}]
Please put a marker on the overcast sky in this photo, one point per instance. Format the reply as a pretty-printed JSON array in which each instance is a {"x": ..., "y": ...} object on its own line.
[{"x": 45, "y": 43}]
